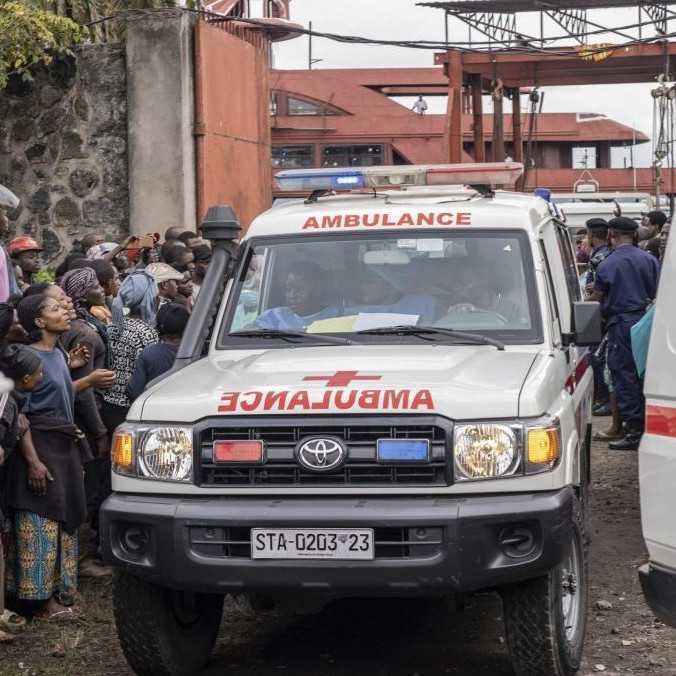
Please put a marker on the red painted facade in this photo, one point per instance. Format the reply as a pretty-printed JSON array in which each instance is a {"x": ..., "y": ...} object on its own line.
[{"x": 329, "y": 117}]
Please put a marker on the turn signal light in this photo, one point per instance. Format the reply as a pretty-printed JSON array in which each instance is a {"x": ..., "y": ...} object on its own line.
[
  {"x": 122, "y": 453},
  {"x": 238, "y": 451},
  {"x": 543, "y": 446}
]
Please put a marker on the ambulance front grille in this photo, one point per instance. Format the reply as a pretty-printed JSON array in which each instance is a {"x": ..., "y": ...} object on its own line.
[{"x": 282, "y": 469}]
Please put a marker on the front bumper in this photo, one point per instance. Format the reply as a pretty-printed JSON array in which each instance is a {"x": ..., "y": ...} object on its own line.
[
  {"x": 659, "y": 589},
  {"x": 452, "y": 544}
]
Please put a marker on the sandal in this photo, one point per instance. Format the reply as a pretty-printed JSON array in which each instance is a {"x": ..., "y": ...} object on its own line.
[
  {"x": 65, "y": 615},
  {"x": 605, "y": 436},
  {"x": 11, "y": 622},
  {"x": 6, "y": 637}
]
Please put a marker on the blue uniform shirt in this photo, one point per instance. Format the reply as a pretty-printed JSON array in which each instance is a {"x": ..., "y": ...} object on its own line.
[
  {"x": 598, "y": 255},
  {"x": 628, "y": 279}
]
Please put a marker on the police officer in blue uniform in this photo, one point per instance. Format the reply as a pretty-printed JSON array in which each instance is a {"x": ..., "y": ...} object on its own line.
[
  {"x": 626, "y": 284},
  {"x": 597, "y": 239}
]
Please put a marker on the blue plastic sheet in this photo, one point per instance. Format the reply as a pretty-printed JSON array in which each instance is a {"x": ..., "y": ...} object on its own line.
[{"x": 640, "y": 340}]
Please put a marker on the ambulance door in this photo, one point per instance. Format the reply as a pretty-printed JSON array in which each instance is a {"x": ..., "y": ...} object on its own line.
[
  {"x": 657, "y": 455},
  {"x": 567, "y": 288}
]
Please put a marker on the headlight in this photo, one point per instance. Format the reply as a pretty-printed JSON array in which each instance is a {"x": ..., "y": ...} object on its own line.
[
  {"x": 166, "y": 453},
  {"x": 162, "y": 453},
  {"x": 486, "y": 451}
]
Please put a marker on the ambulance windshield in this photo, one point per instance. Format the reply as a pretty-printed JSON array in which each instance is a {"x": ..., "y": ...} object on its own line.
[{"x": 473, "y": 282}]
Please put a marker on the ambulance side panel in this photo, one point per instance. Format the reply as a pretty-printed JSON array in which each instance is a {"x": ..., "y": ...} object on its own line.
[{"x": 657, "y": 456}]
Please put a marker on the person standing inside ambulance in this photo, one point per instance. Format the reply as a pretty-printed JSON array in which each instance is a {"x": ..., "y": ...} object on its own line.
[{"x": 626, "y": 284}]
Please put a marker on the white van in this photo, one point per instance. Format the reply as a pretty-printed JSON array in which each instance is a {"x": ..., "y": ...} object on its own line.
[
  {"x": 578, "y": 208},
  {"x": 657, "y": 455},
  {"x": 384, "y": 392}
]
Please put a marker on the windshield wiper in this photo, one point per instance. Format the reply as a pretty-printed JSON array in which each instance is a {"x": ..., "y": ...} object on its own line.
[
  {"x": 291, "y": 336},
  {"x": 422, "y": 331}
]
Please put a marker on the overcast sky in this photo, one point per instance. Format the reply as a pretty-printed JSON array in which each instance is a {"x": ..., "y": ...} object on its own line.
[{"x": 403, "y": 20}]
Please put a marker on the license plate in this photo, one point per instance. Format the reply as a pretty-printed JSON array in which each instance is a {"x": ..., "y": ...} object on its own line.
[{"x": 311, "y": 543}]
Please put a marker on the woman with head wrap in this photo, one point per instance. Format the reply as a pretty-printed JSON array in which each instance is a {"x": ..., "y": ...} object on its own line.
[
  {"x": 133, "y": 328},
  {"x": 45, "y": 487},
  {"x": 83, "y": 288}
]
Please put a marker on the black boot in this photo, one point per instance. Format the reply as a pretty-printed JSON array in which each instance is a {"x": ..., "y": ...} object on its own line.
[{"x": 631, "y": 440}]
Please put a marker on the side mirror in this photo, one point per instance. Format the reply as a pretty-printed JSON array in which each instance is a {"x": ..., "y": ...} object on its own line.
[{"x": 587, "y": 323}]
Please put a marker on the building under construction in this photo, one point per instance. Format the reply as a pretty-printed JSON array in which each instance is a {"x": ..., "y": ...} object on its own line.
[{"x": 568, "y": 49}]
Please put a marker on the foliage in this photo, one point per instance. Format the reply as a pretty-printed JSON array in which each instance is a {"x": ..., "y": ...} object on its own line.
[
  {"x": 98, "y": 14},
  {"x": 32, "y": 32},
  {"x": 30, "y": 36}
]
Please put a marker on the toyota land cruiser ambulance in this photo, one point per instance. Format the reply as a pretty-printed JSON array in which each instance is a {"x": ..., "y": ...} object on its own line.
[
  {"x": 657, "y": 454},
  {"x": 384, "y": 389}
]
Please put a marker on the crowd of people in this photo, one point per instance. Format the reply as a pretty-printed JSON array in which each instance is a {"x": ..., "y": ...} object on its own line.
[
  {"x": 621, "y": 264},
  {"x": 79, "y": 350}
]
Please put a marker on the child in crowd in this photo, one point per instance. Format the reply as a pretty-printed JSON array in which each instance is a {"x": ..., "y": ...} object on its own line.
[{"x": 157, "y": 359}]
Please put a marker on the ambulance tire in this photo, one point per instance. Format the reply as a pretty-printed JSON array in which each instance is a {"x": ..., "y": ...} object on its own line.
[
  {"x": 537, "y": 612},
  {"x": 159, "y": 634}
]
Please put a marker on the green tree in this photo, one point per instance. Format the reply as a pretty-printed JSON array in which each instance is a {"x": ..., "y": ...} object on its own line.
[
  {"x": 32, "y": 32},
  {"x": 96, "y": 14},
  {"x": 30, "y": 36}
]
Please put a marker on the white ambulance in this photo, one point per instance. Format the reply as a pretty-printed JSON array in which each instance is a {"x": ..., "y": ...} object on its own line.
[
  {"x": 384, "y": 389},
  {"x": 657, "y": 454}
]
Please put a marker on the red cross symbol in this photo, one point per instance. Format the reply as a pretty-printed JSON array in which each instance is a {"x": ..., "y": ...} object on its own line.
[{"x": 342, "y": 378}]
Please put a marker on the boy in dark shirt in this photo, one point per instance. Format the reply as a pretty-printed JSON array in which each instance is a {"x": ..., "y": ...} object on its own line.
[{"x": 157, "y": 359}]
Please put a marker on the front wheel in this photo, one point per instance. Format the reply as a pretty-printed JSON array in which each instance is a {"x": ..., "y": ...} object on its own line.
[
  {"x": 164, "y": 632},
  {"x": 545, "y": 618}
]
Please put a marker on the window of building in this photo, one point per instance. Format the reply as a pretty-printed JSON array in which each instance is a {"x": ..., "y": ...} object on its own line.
[
  {"x": 584, "y": 157},
  {"x": 295, "y": 105},
  {"x": 292, "y": 157},
  {"x": 398, "y": 158},
  {"x": 303, "y": 107},
  {"x": 366, "y": 155}
]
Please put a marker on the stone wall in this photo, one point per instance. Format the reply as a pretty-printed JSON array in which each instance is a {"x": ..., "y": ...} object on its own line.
[{"x": 63, "y": 149}]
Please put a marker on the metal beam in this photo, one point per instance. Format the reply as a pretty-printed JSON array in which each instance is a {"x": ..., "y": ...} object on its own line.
[
  {"x": 573, "y": 21},
  {"x": 530, "y": 5},
  {"x": 657, "y": 11}
]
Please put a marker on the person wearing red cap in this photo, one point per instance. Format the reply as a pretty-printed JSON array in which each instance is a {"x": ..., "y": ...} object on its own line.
[{"x": 25, "y": 253}]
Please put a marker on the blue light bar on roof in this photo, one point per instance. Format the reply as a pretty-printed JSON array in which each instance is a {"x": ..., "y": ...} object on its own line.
[
  {"x": 320, "y": 179},
  {"x": 350, "y": 178}
]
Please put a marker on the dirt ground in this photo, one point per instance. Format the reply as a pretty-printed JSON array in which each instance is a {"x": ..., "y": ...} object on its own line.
[{"x": 402, "y": 637}]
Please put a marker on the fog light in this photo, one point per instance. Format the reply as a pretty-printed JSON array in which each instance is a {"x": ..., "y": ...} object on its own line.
[
  {"x": 135, "y": 539},
  {"x": 517, "y": 541}
]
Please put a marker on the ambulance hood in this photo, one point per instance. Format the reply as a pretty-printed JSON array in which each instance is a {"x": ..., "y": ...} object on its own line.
[{"x": 459, "y": 382}]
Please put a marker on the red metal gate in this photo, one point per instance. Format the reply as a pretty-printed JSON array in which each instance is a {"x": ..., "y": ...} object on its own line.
[{"x": 232, "y": 119}]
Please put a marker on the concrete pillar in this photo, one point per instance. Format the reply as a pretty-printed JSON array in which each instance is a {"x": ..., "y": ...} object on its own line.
[
  {"x": 498, "y": 144},
  {"x": 478, "y": 119},
  {"x": 517, "y": 137},
  {"x": 160, "y": 102},
  {"x": 454, "y": 114}
]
